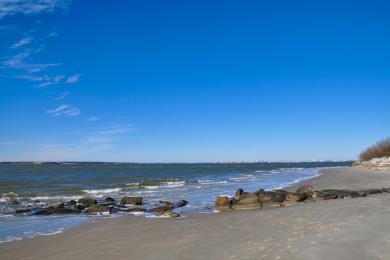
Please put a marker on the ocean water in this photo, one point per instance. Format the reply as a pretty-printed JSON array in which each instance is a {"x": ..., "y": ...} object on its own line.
[{"x": 40, "y": 184}]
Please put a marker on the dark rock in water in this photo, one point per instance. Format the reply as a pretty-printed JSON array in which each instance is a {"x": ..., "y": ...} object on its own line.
[
  {"x": 131, "y": 201},
  {"x": 131, "y": 210},
  {"x": 387, "y": 190},
  {"x": 21, "y": 211},
  {"x": 249, "y": 202},
  {"x": 109, "y": 199},
  {"x": 40, "y": 212},
  {"x": 223, "y": 204},
  {"x": 240, "y": 194},
  {"x": 306, "y": 189},
  {"x": 162, "y": 208},
  {"x": 71, "y": 203},
  {"x": 56, "y": 205},
  {"x": 80, "y": 206},
  {"x": 180, "y": 203},
  {"x": 95, "y": 209},
  {"x": 374, "y": 191},
  {"x": 87, "y": 201},
  {"x": 62, "y": 211}
]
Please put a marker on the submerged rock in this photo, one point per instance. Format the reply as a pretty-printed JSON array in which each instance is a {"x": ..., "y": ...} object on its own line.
[
  {"x": 96, "y": 209},
  {"x": 222, "y": 203},
  {"x": 131, "y": 201},
  {"x": 62, "y": 211}
]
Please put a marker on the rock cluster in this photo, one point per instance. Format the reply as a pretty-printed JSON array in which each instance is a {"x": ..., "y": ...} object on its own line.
[
  {"x": 109, "y": 205},
  {"x": 280, "y": 198}
]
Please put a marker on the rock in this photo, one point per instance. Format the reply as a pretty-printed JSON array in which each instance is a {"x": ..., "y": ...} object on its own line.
[
  {"x": 167, "y": 213},
  {"x": 71, "y": 203},
  {"x": 80, "y": 206},
  {"x": 279, "y": 195},
  {"x": 180, "y": 203},
  {"x": 62, "y": 211},
  {"x": 170, "y": 213},
  {"x": 324, "y": 195},
  {"x": 56, "y": 205},
  {"x": 292, "y": 198},
  {"x": 222, "y": 203},
  {"x": 306, "y": 189},
  {"x": 87, "y": 201},
  {"x": 21, "y": 211},
  {"x": 162, "y": 208},
  {"x": 249, "y": 202},
  {"x": 373, "y": 191},
  {"x": 259, "y": 192},
  {"x": 95, "y": 209},
  {"x": 387, "y": 190},
  {"x": 131, "y": 201},
  {"x": 109, "y": 199}
]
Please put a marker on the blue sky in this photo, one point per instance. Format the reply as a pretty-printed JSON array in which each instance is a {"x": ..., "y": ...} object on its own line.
[{"x": 192, "y": 81}]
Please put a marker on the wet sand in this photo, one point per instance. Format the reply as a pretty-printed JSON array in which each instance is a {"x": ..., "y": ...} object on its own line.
[{"x": 338, "y": 229}]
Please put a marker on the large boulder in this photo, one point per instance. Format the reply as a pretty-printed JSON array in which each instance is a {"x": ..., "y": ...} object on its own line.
[
  {"x": 177, "y": 204},
  {"x": 249, "y": 202},
  {"x": 387, "y": 190},
  {"x": 222, "y": 203},
  {"x": 98, "y": 209},
  {"x": 306, "y": 190},
  {"x": 131, "y": 201},
  {"x": 292, "y": 198},
  {"x": 62, "y": 211},
  {"x": 87, "y": 201},
  {"x": 170, "y": 213}
]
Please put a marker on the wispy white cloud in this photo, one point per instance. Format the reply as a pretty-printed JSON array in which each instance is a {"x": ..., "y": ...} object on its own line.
[
  {"x": 64, "y": 110},
  {"x": 62, "y": 95},
  {"x": 93, "y": 119},
  {"x": 108, "y": 135},
  {"x": 73, "y": 79},
  {"x": 22, "y": 42},
  {"x": 29, "y": 7},
  {"x": 50, "y": 81}
]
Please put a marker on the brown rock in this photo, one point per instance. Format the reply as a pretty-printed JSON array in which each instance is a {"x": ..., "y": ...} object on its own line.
[
  {"x": 131, "y": 201},
  {"x": 87, "y": 201},
  {"x": 249, "y": 202},
  {"x": 223, "y": 203},
  {"x": 306, "y": 189},
  {"x": 95, "y": 209}
]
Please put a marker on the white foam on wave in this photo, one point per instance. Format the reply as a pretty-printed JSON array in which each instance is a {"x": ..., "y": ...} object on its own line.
[
  {"x": 55, "y": 198},
  {"x": 103, "y": 191},
  {"x": 211, "y": 182}
]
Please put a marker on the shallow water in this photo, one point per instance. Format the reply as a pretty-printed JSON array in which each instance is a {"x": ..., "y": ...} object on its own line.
[{"x": 38, "y": 184}]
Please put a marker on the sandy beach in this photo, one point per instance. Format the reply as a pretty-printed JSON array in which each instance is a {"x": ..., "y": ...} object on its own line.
[{"x": 336, "y": 229}]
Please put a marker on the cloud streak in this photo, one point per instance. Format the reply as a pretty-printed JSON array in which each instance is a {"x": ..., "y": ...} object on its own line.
[
  {"x": 64, "y": 110},
  {"x": 31, "y": 7}
]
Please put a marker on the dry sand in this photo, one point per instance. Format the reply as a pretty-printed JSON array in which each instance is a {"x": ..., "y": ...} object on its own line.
[{"x": 337, "y": 229}]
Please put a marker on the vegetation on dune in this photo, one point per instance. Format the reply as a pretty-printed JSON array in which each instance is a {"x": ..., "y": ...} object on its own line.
[{"x": 378, "y": 150}]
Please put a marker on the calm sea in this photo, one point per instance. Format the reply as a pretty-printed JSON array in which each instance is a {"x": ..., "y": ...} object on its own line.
[{"x": 37, "y": 184}]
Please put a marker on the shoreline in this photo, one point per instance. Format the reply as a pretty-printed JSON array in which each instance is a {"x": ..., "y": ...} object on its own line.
[{"x": 260, "y": 234}]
